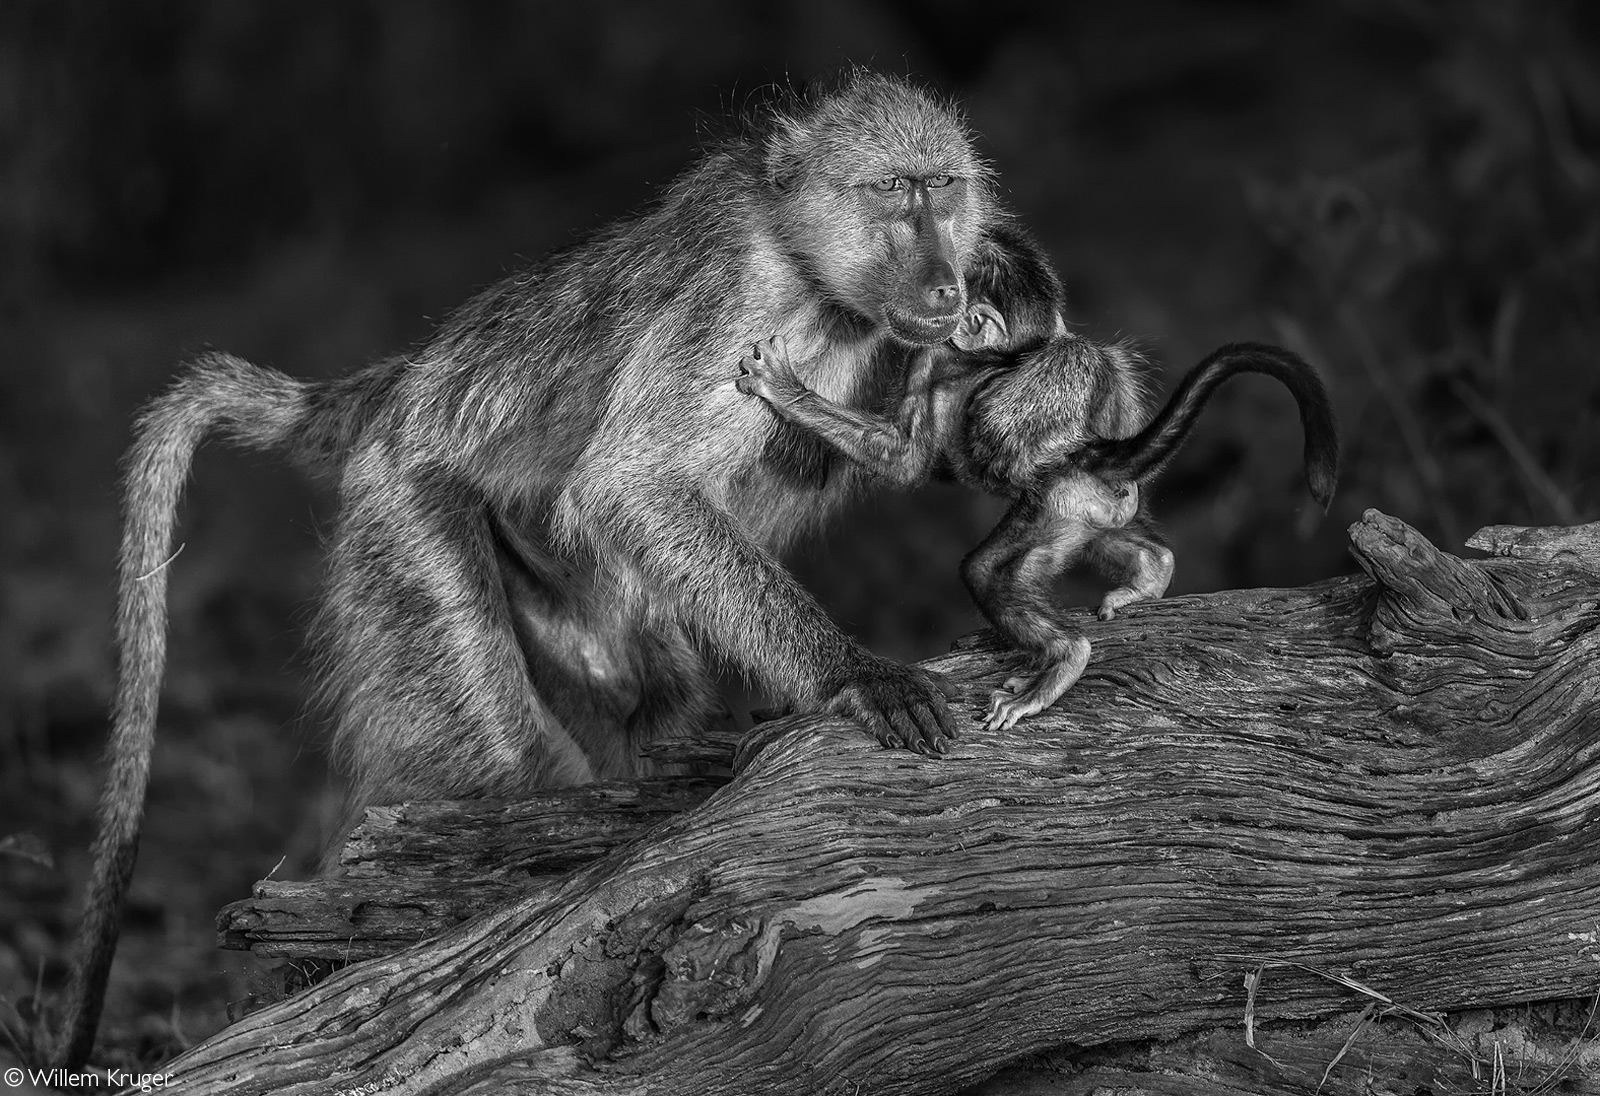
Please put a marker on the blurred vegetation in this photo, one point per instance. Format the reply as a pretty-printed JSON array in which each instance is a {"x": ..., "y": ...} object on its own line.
[
  {"x": 1403, "y": 190},
  {"x": 1461, "y": 275}
]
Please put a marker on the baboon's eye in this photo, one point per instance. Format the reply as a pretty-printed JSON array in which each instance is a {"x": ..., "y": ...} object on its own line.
[
  {"x": 1122, "y": 490},
  {"x": 888, "y": 184},
  {"x": 937, "y": 181}
]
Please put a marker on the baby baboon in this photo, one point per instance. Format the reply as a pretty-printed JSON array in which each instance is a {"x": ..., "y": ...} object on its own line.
[
  {"x": 1084, "y": 494},
  {"x": 559, "y": 508},
  {"x": 1053, "y": 422}
]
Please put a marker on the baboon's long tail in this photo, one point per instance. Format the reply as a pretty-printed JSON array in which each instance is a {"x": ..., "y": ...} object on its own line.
[
  {"x": 253, "y": 407},
  {"x": 1147, "y": 452}
]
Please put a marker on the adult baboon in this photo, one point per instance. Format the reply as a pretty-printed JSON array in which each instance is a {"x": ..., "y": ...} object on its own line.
[{"x": 557, "y": 509}]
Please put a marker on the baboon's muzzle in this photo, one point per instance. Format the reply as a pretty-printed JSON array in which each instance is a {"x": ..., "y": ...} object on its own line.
[{"x": 934, "y": 306}]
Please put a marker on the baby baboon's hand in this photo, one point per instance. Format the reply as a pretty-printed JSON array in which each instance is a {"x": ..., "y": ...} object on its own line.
[
  {"x": 769, "y": 374},
  {"x": 899, "y": 705}
]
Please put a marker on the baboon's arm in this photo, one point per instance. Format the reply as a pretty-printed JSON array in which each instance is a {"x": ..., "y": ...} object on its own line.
[
  {"x": 874, "y": 443},
  {"x": 743, "y": 602},
  {"x": 896, "y": 451}
]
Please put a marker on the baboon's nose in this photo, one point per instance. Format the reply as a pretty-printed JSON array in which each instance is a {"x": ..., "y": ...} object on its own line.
[{"x": 941, "y": 288}]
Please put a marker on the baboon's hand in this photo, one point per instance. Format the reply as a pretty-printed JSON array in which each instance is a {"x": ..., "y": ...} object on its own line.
[
  {"x": 899, "y": 705},
  {"x": 769, "y": 374}
]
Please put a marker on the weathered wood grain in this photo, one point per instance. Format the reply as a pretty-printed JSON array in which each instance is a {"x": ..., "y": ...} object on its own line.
[
  {"x": 412, "y": 870},
  {"x": 1546, "y": 1049},
  {"x": 1394, "y": 777}
]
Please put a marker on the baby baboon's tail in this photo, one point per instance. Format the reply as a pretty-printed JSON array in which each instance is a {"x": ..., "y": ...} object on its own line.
[{"x": 1147, "y": 452}]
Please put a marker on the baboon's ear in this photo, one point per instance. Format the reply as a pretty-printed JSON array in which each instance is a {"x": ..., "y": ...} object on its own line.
[{"x": 983, "y": 327}]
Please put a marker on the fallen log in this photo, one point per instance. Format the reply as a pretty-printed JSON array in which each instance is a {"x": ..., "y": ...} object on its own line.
[
  {"x": 411, "y": 870},
  {"x": 1395, "y": 778}
]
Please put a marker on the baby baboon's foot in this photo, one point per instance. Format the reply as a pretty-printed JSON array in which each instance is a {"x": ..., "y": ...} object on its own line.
[
  {"x": 1152, "y": 575},
  {"x": 1023, "y": 696},
  {"x": 1116, "y": 599},
  {"x": 1007, "y": 707}
]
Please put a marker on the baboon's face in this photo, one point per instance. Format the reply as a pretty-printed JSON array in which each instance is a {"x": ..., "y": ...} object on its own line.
[
  {"x": 892, "y": 245},
  {"x": 884, "y": 201},
  {"x": 915, "y": 217}
]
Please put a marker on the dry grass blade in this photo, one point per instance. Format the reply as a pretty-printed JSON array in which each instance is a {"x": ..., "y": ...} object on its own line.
[
  {"x": 1361, "y": 1025},
  {"x": 1380, "y": 1006},
  {"x": 1432, "y": 1025},
  {"x": 1252, "y": 982},
  {"x": 1571, "y": 1057},
  {"x": 1390, "y": 1005}
]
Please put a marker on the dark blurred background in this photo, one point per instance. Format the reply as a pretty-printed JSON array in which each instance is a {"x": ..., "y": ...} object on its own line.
[{"x": 1407, "y": 192}]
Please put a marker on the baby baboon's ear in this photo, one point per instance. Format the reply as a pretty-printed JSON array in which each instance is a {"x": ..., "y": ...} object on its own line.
[{"x": 982, "y": 328}]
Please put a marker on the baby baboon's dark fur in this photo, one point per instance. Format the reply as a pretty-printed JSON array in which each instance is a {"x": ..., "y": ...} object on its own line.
[
  {"x": 559, "y": 508},
  {"x": 1057, "y": 424}
]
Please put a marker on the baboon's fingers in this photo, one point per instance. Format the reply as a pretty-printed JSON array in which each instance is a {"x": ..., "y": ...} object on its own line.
[
  {"x": 942, "y": 720},
  {"x": 883, "y": 730},
  {"x": 770, "y": 377},
  {"x": 899, "y": 705},
  {"x": 935, "y": 722},
  {"x": 936, "y": 718},
  {"x": 907, "y": 731},
  {"x": 922, "y": 730},
  {"x": 851, "y": 703}
]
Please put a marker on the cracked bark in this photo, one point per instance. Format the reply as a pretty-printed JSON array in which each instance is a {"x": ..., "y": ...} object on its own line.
[
  {"x": 1395, "y": 777},
  {"x": 411, "y": 870}
]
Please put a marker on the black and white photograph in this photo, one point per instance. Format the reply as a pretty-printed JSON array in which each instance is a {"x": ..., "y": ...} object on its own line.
[{"x": 855, "y": 548}]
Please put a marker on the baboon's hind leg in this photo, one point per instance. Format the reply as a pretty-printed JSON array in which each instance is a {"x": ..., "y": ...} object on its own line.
[
  {"x": 1135, "y": 558},
  {"x": 1009, "y": 576},
  {"x": 616, "y": 676},
  {"x": 431, "y": 688}
]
